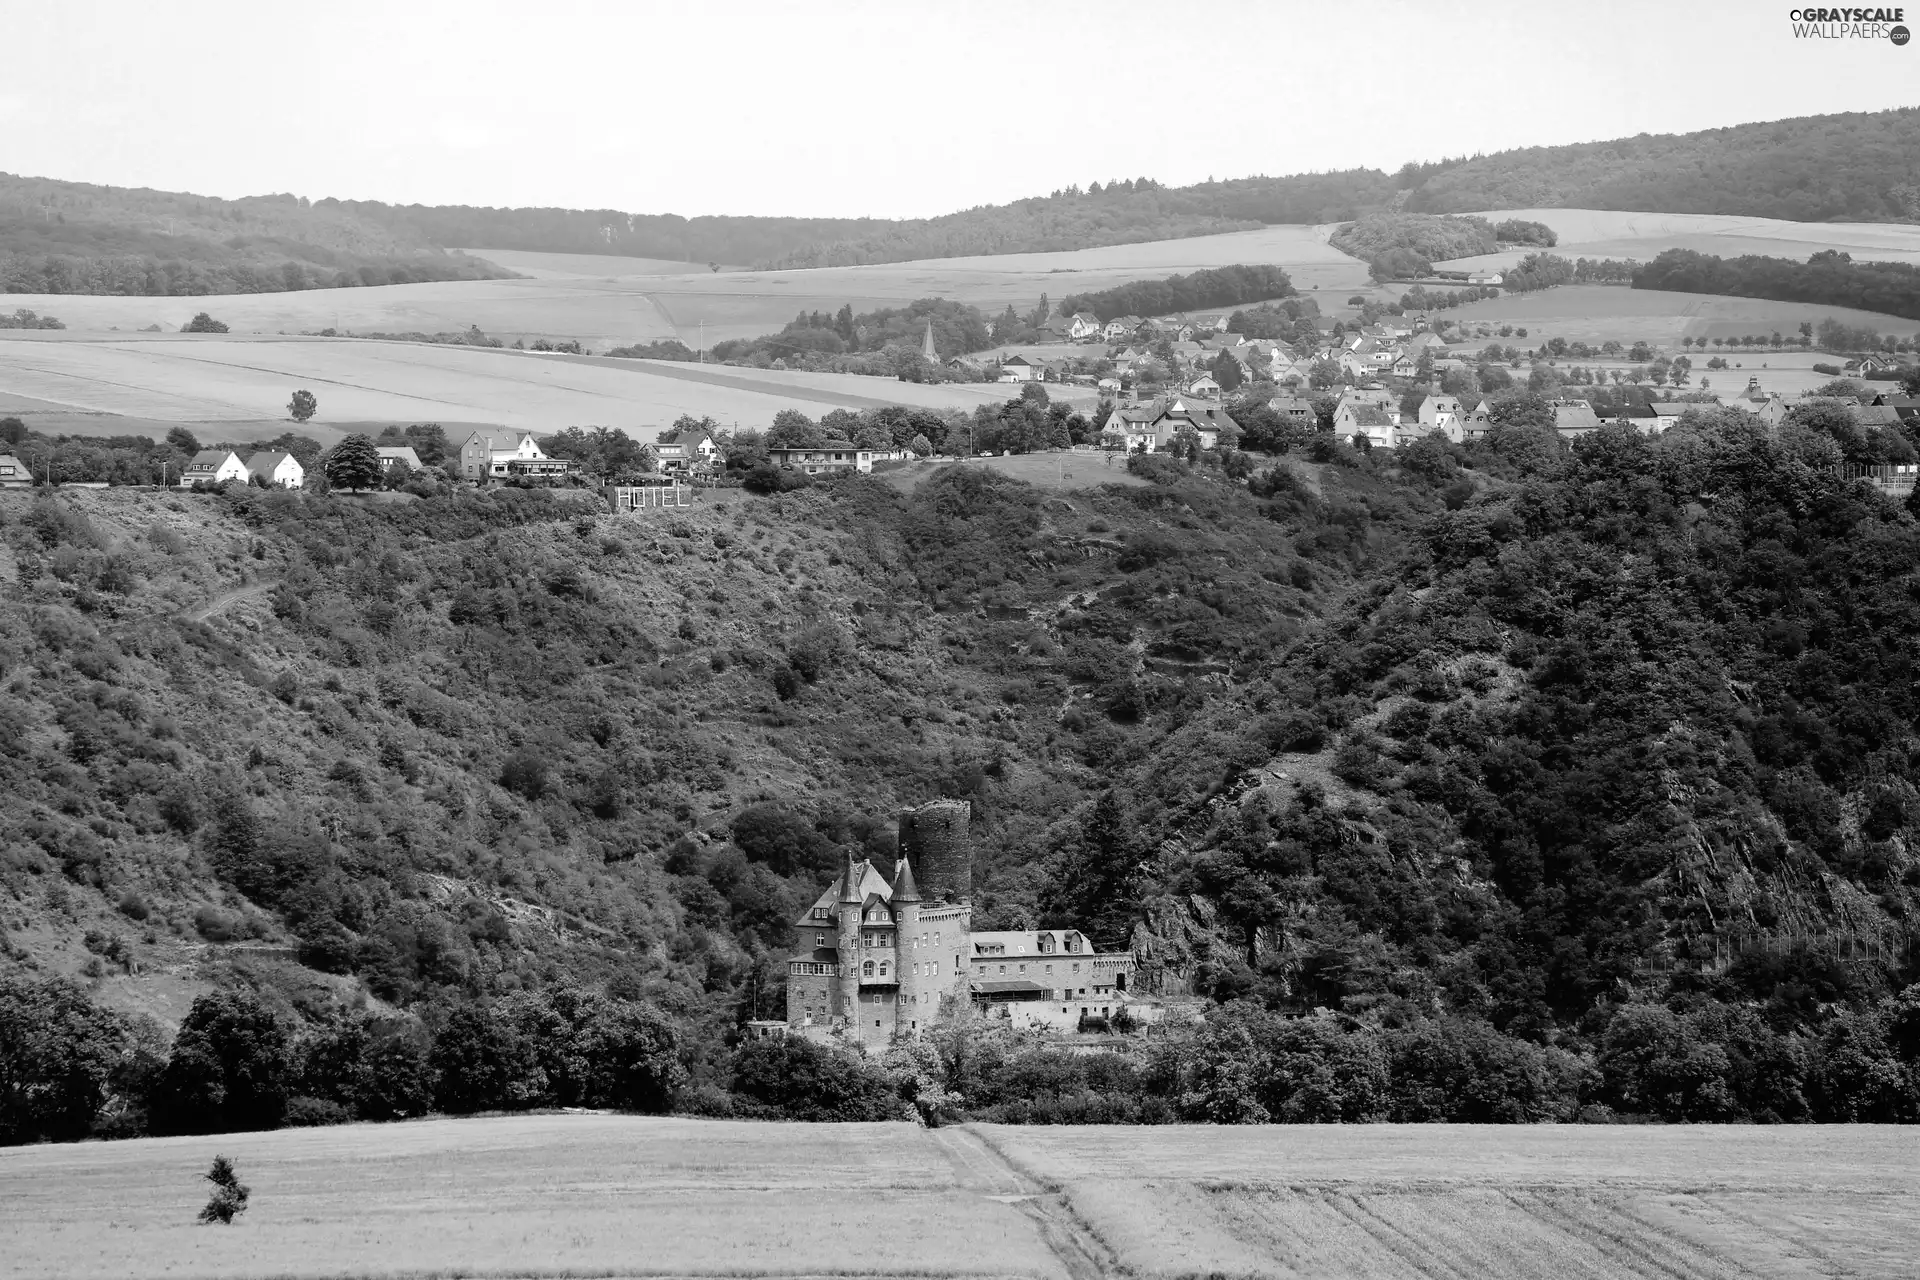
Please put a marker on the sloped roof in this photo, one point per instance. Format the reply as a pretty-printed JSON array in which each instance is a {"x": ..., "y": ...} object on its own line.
[
  {"x": 265, "y": 464},
  {"x": 1369, "y": 415},
  {"x": 212, "y": 457},
  {"x": 1574, "y": 417},
  {"x": 403, "y": 452}
]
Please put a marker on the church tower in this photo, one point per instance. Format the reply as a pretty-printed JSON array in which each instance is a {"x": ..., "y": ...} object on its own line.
[
  {"x": 927, "y": 348},
  {"x": 908, "y": 954},
  {"x": 847, "y": 912}
]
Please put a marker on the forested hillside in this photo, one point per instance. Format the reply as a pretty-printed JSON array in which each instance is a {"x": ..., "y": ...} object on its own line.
[
  {"x": 71, "y": 237},
  {"x": 1857, "y": 166},
  {"x": 1557, "y": 781}
]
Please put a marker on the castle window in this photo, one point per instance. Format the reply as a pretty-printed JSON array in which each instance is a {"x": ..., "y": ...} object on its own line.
[
  {"x": 1049, "y": 968},
  {"x": 819, "y": 939},
  {"x": 1076, "y": 966},
  {"x": 866, "y": 970},
  {"x": 1003, "y": 968},
  {"x": 934, "y": 968}
]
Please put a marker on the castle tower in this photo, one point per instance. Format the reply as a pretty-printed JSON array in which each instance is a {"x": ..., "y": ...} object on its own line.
[
  {"x": 934, "y": 835},
  {"x": 907, "y": 952},
  {"x": 927, "y": 348},
  {"x": 847, "y": 919}
]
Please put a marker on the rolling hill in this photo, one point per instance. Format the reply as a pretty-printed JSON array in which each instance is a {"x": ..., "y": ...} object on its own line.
[{"x": 64, "y": 237}]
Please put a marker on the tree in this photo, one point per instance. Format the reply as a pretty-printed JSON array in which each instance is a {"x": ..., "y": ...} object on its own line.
[
  {"x": 303, "y": 405},
  {"x": 1226, "y": 372},
  {"x": 229, "y": 1193},
  {"x": 183, "y": 440},
  {"x": 203, "y": 323},
  {"x": 792, "y": 429},
  {"x": 483, "y": 1063},
  {"x": 354, "y": 464},
  {"x": 230, "y": 1068},
  {"x": 58, "y": 1054}
]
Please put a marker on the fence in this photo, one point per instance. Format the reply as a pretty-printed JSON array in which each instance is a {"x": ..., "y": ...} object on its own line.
[
  {"x": 649, "y": 497},
  {"x": 1896, "y": 482}
]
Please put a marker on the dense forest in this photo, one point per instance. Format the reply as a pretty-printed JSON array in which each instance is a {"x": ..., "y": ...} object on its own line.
[
  {"x": 72, "y": 237},
  {"x": 69, "y": 237},
  {"x": 1858, "y": 166},
  {"x": 1830, "y": 277},
  {"x": 1509, "y": 781},
  {"x": 1214, "y": 288},
  {"x": 1401, "y": 246}
]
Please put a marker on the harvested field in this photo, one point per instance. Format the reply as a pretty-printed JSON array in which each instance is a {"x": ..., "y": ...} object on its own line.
[
  {"x": 1455, "y": 1201},
  {"x": 605, "y": 300},
  {"x": 590, "y": 1195},
  {"x": 1604, "y": 233},
  {"x": 522, "y": 1197},
  {"x": 1595, "y": 313},
  {"x": 116, "y": 386}
]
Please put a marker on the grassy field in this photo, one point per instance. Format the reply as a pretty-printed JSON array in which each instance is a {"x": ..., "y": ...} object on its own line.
[
  {"x": 521, "y": 1197},
  {"x": 585, "y": 1195},
  {"x": 1602, "y": 233},
  {"x": 1594, "y": 313},
  {"x": 146, "y": 382},
  {"x": 1461, "y": 1201},
  {"x": 606, "y": 300}
]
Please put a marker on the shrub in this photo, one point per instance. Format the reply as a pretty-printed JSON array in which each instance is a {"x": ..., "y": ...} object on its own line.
[
  {"x": 229, "y": 1193},
  {"x": 525, "y": 774},
  {"x": 203, "y": 323},
  {"x": 312, "y": 1113},
  {"x": 800, "y": 1080}
]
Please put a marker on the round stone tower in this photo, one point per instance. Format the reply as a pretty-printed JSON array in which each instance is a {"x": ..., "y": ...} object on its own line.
[
  {"x": 847, "y": 922},
  {"x": 934, "y": 837}
]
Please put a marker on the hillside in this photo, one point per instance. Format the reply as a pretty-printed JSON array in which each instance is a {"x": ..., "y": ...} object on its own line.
[
  {"x": 72, "y": 237},
  {"x": 63, "y": 237},
  {"x": 1584, "y": 776}
]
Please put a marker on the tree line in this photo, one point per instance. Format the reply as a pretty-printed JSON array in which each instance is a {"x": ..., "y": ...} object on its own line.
[
  {"x": 1215, "y": 287},
  {"x": 1830, "y": 277}
]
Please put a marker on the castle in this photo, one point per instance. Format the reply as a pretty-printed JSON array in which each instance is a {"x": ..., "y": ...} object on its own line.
[{"x": 873, "y": 960}]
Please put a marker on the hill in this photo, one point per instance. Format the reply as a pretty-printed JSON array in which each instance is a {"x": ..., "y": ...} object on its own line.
[
  {"x": 63, "y": 237},
  {"x": 1506, "y": 782},
  {"x": 72, "y": 237}
]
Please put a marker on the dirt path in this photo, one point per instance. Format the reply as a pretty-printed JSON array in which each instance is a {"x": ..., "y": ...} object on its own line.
[
  {"x": 221, "y": 602},
  {"x": 985, "y": 1172}
]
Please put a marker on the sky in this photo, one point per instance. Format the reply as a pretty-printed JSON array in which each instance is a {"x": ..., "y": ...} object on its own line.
[{"x": 894, "y": 109}]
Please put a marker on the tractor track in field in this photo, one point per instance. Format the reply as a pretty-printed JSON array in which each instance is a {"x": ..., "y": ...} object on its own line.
[{"x": 985, "y": 1172}]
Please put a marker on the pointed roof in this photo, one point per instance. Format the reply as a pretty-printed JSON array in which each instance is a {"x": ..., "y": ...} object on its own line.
[
  {"x": 904, "y": 889},
  {"x": 850, "y": 880},
  {"x": 927, "y": 347}
]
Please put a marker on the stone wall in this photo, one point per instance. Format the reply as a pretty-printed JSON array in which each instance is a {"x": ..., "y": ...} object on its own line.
[{"x": 934, "y": 838}]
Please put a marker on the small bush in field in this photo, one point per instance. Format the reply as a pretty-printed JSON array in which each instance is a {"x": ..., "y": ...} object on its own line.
[{"x": 229, "y": 1193}]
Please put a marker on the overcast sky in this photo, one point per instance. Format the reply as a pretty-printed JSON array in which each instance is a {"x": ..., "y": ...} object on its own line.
[{"x": 893, "y": 109}]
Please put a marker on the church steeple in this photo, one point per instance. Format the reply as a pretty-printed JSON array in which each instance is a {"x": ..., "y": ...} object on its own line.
[{"x": 927, "y": 347}]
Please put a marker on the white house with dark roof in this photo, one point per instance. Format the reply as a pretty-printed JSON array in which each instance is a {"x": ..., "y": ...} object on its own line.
[
  {"x": 686, "y": 450},
  {"x": 507, "y": 456},
  {"x": 1442, "y": 413},
  {"x": 14, "y": 474},
  {"x": 211, "y": 466},
  {"x": 1357, "y": 420},
  {"x": 1083, "y": 327},
  {"x": 276, "y": 470}
]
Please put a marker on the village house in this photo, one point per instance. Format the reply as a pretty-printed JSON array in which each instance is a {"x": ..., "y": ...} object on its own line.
[
  {"x": 1641, "y": 417},
  {"x": 1768, "y": 406},
  {"x": 1121, "y": 328},
  {"x": 1478, "y": 420},
  {"x": 1155, "y": 426},
  {"x": 1442, "y": 414},
  {"x": 1872, "y": 364},
  {"x": 403, "y": 455},
  {"x": 1297, "y": 410},
  {"x": 683, "y": 451},
  {"x": 1483, "y": 278},
  {"x": 276, "y": 471},
  {"x": 1203, "y": 386},
  {"x": 1376, "y": 395},
  {"x": 1574, "y": 418},
  {"x": 1406, "y": 365},
  {"x": 1017, "y": 368},
  {"x": 14, "y": 474},
  {"x": 1666, "y": 413},
  {"x": 510, "y": 455},
  {"x": 1082, "y": 326},
  {"x": 212, "y": 466},
  {"x": 832, "y": 455},
  {"x": 1360, "y": 421}
]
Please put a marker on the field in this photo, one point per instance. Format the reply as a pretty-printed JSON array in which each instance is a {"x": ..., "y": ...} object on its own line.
[
  {"x": 1594, "y": 313},
  {"x": 142, "y": 383},
  {"x": 584, "y": 1195},
  {"x": 1602, "y": 233},
  {"x": 604, "y": 300}
]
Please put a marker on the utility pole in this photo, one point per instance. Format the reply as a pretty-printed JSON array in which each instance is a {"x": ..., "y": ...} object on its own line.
[{"x": 703, "y": 342}]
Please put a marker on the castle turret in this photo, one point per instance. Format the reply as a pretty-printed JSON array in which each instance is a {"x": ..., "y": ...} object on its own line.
[
  {"x": 935, "y": 836},
  {"x": 847, "y": 920},
  {"x": 908, "y": 954}
]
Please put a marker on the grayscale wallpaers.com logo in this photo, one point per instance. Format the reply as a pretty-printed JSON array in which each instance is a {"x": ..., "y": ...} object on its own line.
[{"x": 1849, "y": 24}]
